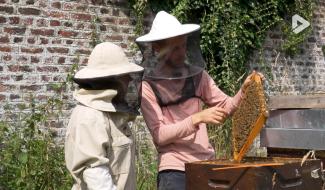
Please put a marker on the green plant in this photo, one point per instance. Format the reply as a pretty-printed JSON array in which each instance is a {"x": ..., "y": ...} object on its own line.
[
  {"x": 30, "y": 157},
  {"x": 292, "y": 41},
  {"x": 94, "y": 33},
  {"x": 146, "y": 158},
  {"x": 146, "y": 164}
]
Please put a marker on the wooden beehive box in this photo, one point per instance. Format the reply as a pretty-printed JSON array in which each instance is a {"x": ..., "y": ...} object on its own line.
[{"x": 254, "y": 174}]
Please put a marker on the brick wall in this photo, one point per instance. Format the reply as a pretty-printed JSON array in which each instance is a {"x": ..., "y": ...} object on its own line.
[
  {"x": 305, "y": 72},
  {"x": 299, "y": 75},
  {"x": 41, "y": 39}
]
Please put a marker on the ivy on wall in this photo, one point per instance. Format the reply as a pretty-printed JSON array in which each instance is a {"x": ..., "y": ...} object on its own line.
[{"x": 232, "y": 29}]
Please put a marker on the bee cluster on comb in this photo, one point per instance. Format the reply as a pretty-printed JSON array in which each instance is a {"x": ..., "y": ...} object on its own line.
[{"x": 249, "y": 118}]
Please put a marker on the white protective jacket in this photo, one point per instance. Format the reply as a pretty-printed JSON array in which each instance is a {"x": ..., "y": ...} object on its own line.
[{"x": 99, "y": 150}]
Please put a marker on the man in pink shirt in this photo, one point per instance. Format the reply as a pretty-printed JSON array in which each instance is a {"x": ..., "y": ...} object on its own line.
[{"x": 174, "y": 90}]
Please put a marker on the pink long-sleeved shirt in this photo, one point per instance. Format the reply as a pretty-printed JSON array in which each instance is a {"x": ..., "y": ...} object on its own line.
[{"x": 177, "y": 140}]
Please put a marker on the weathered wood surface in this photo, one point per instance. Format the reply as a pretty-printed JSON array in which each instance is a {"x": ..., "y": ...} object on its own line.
[{"x": 296, "y": 102}]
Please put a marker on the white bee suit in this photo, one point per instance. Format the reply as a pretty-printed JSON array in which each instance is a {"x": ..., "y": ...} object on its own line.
[{"x": 99, "y": 149}]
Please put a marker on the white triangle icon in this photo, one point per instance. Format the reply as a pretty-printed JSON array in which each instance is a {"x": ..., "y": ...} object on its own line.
[{"x": 303, "y": 24}]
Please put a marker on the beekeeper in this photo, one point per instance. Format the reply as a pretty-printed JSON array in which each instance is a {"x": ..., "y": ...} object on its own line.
[
  {"x": 175, "y": 87},
  {"x": 99, "y": 149}
]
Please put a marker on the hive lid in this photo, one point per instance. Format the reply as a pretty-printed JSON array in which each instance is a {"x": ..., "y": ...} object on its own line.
[{"x": 249, "y": 118}]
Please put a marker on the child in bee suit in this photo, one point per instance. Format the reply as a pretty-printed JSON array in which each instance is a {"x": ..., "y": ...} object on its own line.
[
  {"x": 175, "y": 88},
  {"x": 99, "y": 150}
]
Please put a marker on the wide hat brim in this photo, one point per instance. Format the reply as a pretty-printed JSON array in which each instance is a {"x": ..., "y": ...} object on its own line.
[
  {"x": 155, "y": 36},
  {"x": 87, "y": 73}
]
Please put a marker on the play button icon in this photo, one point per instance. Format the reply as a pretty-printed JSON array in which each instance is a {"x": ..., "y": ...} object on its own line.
[{"x": 299, "y": 23}]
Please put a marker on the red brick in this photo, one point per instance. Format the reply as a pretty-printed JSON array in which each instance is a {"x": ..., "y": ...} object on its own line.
[
  {"x": 68, "y": 24},
  {"x": 43, "y": 32},
  {"x": 18, "y": 77},
  {"x": 102, "y": 28},
  {"x": 44, "y": 41},
  {"x": 69, "y": 42},
  {"x": 14, "y": 96},
  {"x": 34, "y": 59},
  {"x": 2, "y": 97},
  {"x": 47, "y": 69},
  {"x": 14, "y": 20},
  {"x": 81, "y": 8},
  {"x": 68, "y": 6},
  {"x": 115, "y": 38},
  {"x": 30, "y": 87},
  {"x": 5, "y": 78},
  {"x": 125, "y": 30},
  {"x": 27, "y": 21},
  {"x": 6, "y": 9},
  {"x": 19, "y": 68},
  {"x": 4, "y": 39},
  {"x": 84, "y": 62},
  {"x": 45, "y": 78},
  {"x": 41, "y": 23},
  {"x": 2, "y": 88},
  {"x": 111, "y": 20},
  {"x": 5, "y": 48},
  {"x": 74, "y": 60},
  {"x": 57, "y": 50},
  {"x": 6, "y": 57},
  {"x": 32, "y": 50},
  {"x": 83, "y": 51},
  {"x": 15, "y": 30},
  {"x": 124, "y": 21},
  {"x": 30, "y": 2},
  {"x": 80, "y": 16},
  {"x": 31, "y": 40},
  {"x": 2, "y": 19},
  {"x": 67, "y": 34},
  {"x": 57, "y": 14},
  {"x": 56, "y": 5},
  {"x": 80, "y": 26},
  {"x": 54, "y": 23},
  {"x": 29, "y": 11},
  {"x": 104, "y": 11},
  {"x": 22, "y": 59},
  {"x": 61, "y": 60},
  {"x": 18, "y": 39}
]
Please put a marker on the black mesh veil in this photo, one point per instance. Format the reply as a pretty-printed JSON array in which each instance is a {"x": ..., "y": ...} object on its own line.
[
  {"x": 128, "y": 86},
  {"x": 173, "y": 67}
]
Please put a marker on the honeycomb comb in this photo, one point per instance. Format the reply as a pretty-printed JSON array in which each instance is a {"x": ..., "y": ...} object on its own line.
[{"x": 249, "y": 118}]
